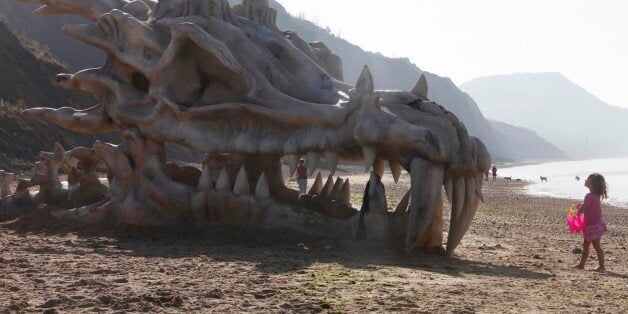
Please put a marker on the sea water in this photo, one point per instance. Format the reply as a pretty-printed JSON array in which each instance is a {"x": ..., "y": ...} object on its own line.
[{"x": 561, "y": 177}]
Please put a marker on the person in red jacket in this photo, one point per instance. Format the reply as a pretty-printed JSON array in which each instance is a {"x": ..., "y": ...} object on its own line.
[{"x": 302, "y": 176}]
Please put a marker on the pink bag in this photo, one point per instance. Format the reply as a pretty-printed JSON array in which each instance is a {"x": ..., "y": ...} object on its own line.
[{"x": 576, "y": 223}]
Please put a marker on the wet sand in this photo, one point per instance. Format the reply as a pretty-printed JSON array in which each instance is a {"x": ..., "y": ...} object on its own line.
[{"x": 515, "y": 258}]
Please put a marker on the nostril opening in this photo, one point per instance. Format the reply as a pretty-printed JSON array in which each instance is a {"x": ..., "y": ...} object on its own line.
[{"x": 140, "y": 82}]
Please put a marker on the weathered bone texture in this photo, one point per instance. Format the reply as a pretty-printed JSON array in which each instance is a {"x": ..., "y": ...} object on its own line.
[{"x": 227, "y": 82}]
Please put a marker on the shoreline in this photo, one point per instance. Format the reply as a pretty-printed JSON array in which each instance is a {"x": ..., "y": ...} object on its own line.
[
  {"x": 515, "y": 257},
  {"x": 561, "y": 182},
  {"x": 545, "y": 161}
]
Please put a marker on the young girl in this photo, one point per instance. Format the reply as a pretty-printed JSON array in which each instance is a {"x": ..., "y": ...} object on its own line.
[{"x": 595, "y": 225}]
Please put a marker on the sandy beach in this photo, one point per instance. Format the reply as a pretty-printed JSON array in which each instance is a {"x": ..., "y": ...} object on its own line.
[{"x": 516, "y": 257}]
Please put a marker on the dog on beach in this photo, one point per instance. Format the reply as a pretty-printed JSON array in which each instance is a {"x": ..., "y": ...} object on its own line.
[
  {"x": 508, "y": 178},
  {"x": 543, "y": 179}
]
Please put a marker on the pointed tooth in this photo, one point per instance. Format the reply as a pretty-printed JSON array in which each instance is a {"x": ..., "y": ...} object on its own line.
[
  {"x": 403, "y": 204},
  {"x": 317, "y": 187},
  {"x": 427, "y": 179},
  {"x": 365, "y": 82},
  {"x": 262, "y": 191},
  {"x": 335, "y": 191},
  {"x": 369, "y": 157},
  {"x": 329, "y": 185},
  {"x": 292, "y": 161},
  {"x": 459, "y": 192},
  {"x": 479, "y": 182},
  {"x": 241, "y": 186},
  {"x": 458, "y": 227},
  {"x": 332, "y": 160},
  {"x": 379, "y": 166},
  {"x": 205, "y": 183},
  {"x": 449, "y": 190},
  {"x": 396, "y": 169},
  {"x": 470, "y": 205},
  {"x": 421, "y": 88},
  {"x": 313, "y": 158},
  {"x": 377, "y": 195},
  {"x": 223, "y": 184},
  {"x": 345, "y": 193}
]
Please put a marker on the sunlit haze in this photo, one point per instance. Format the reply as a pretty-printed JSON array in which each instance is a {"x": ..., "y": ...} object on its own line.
[{"x": 587, "y": 41}]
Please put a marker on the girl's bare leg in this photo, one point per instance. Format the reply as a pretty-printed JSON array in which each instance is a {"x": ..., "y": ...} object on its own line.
[
  {"x": 600, "y": 254},
  {"x": 586, "y": 245}
]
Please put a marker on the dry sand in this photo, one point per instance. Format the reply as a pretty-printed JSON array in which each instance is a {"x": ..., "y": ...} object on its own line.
[{"x": 515, "y": 258}]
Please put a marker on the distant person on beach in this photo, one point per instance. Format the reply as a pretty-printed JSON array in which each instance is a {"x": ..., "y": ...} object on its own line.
[
  {"x": 494, "y": 170},
  {"x": 486, "y": 176},
  {"x": 595, "y": 227},
  {"x": 302, "y": 177}
]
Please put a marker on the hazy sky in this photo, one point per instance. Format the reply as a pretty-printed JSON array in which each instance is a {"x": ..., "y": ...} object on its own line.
[{"x": 585, "y": 40}]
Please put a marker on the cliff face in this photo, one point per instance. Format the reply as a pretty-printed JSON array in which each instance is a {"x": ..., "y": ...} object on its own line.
[
  {"x": 27, "y": 73},
  {"x": 26, "y": 81},
  {"x": 577, "y": 122},
  {"x": 47, "y": 30},
  {"x": 524, "y": 144}
]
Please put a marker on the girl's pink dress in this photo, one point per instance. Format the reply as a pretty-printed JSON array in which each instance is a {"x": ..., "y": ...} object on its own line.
[{"x": 595, "y": 227}]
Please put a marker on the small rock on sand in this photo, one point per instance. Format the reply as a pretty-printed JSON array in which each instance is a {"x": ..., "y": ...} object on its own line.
[{"x": 215, "y": 294}]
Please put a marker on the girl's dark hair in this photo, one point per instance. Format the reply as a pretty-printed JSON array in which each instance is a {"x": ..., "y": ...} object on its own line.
[{"x": 598, "y": 184}]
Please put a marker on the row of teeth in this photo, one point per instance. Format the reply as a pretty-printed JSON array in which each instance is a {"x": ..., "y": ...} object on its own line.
[
  {"x": 379, "y": 165},
  {"x": 461, "y": 192},
  {"x": 241, "y": 186},
  {"x": 340, "y": 190},
  {"x": 370, "y": 162}
]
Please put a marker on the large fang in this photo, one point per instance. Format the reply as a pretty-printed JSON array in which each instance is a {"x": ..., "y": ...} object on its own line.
[
  {"x": 223, "y": 184},
  {"x": 379, "y": 166},
  {"x": 471, "y": 207},
  {"x": 369, "y": 157},
  {"x": 396, "y": 169},
  {"x": 403, "y": 204},
  {"x": 262, "y": 191},
  {"x": 332, "y": 160},
  {"x": 241, "y": 187},
  {"x": 479, "y": 182},
  {"x": 205, "y": 183},
  {"x": 317, "y": 187},
  {"x": 449, "y": 190},
  {"x": 426, "y": 181},
  {"x": 459, "y": 192},
  {"x": 313, "y": 158},
  {"x": 459, "y": 225}
]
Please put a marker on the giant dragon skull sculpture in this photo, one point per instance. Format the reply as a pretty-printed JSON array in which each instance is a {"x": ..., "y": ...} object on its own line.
[{"x": 226, "y": 81}]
